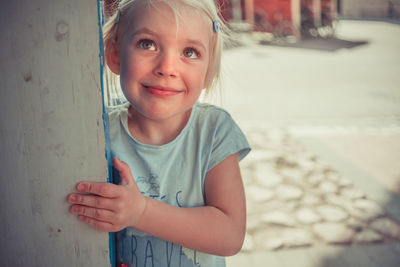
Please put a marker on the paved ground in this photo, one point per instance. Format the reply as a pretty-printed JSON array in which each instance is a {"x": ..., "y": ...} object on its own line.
[
  {"x": 323, "y": 181},
  {"x": 289, "y": 86},
  {"x": 307, "y": 209}
]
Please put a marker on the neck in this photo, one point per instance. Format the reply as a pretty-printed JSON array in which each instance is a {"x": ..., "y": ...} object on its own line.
[{"x": 156, "y": 132}]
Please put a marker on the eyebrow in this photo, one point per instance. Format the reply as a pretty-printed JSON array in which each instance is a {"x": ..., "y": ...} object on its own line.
[
  {"x": 196, "y": 43},
  {"x": 146, "y": 30}
]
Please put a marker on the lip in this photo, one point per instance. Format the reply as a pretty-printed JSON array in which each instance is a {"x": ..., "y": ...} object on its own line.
[{"x": 161, "y": 91}]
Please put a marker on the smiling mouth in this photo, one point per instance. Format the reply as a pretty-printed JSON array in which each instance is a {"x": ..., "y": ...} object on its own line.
[{"x": 161, "y": 91}]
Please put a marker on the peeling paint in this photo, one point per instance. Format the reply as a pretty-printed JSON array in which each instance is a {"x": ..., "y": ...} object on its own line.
[
  {"x": 35, "y": 202},
  {"x": 53, "y": 232},
  {"x": 28, "y": 76},
  {"x": 62, "y": 31},
  {"x": 77, "y": 250},
  {"x": 42, "y": 133}
]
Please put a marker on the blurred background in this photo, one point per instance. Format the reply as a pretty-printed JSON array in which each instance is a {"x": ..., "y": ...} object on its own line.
[{"x": 315, "y": 86}]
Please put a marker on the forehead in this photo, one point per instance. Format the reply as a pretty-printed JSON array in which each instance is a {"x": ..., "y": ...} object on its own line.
[{"x": 185, "y": 23}]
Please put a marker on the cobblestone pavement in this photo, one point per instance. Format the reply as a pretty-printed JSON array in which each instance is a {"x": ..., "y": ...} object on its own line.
[
  {"x": 319, "y": 200},
  {"x": 294, "y": 199}
]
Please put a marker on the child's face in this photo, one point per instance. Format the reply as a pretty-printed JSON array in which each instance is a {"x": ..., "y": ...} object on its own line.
[{"x": 163, "y": 64}]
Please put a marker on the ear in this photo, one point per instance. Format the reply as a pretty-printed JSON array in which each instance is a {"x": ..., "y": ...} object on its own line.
[{"x": 112, "y": 57}]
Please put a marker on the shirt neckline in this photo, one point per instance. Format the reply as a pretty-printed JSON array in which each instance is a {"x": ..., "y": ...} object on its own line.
[{"x": 124, "y": 122}]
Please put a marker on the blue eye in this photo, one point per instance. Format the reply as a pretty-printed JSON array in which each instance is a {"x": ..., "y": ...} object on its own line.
[
  {"x": 147, "y": 44},
  {"x": 190, "y": 53}
]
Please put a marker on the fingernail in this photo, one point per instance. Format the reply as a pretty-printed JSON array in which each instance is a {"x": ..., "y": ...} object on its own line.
[
  {"x": 72, "y": 198},
  {"x": 81, "y": 187}
]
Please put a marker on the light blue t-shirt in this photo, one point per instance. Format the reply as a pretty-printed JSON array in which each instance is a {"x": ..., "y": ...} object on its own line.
[{"x": 173, "y": 173}]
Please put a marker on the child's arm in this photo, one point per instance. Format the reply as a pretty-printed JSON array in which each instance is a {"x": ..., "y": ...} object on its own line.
[{"x": 217, "y": 228}]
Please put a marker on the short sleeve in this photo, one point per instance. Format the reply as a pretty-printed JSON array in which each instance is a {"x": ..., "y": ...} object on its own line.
[{"x": 228, "y": 139}]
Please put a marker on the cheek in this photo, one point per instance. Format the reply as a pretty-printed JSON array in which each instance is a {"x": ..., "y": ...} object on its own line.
[
  {"x": 127, "y": 79},
  {"x": 129, "y": 71},
  {"x": 200, "y": 74},
  {"x": 204, "y": 78},
  {"x": 197, "y": 79},
  {"x": 128, "y": 61}
]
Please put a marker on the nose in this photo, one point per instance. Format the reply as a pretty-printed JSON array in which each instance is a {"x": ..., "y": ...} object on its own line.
[{"x": 166, "y": 65}]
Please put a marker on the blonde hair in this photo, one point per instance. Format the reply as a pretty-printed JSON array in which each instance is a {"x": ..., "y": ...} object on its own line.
[{"x": 114, "y": 23}]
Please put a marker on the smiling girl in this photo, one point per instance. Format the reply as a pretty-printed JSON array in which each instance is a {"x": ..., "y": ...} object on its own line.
[{"x": 181, "y": 200}]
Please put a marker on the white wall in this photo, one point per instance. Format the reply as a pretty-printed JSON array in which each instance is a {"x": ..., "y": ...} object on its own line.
[
  {"x": 51, "y": 131},
  {"x": 368, "y": 8}
]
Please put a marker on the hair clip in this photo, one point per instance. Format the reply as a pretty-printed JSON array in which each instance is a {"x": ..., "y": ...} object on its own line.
[
  {"x": 118, "y": 15},
  {"x": 216, "y": 25}
]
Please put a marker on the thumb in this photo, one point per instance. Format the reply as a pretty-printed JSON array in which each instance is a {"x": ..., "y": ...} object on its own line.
[{"x": 124, "y": 171}]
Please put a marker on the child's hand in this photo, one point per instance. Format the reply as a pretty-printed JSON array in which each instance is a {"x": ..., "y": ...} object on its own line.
[{"x": 112, "y": 207}]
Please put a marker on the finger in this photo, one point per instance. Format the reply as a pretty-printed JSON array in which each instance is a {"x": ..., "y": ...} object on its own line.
[
  {"x": 101, "y": 189},
  {"x": 98, "y": 214},
  {"x": 124, "y": 171},
  {"x": 91, "y": 201},
  {"x": 104, "y": 226}
]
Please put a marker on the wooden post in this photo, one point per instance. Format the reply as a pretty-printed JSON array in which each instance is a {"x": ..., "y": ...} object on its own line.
[
  {"x": 317, "y": 12},
  {"x": 51, "y": 131},
  {"x": 296, "y": 16},
  {"x": 249, "y": 9},
  {"x": 236, "y": 11}
]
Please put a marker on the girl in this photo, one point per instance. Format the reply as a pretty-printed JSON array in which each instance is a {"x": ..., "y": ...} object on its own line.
[{"x": 180, "y": 201}]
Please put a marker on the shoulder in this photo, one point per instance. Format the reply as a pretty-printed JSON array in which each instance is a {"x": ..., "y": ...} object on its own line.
[
  {"x": 212, "y": 120},
  {"x": 210, "y": 114},
  {"x": 223, "y": 135},
  {"x": 206, "y": 107}
]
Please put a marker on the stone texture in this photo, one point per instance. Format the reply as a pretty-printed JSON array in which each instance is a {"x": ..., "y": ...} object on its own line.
[
  {"x": 258, "y": 155},
  {"x": 252, "y": 208},
  {"x": 259, "y": 194},
  {"x": 364, "y": 209},
  {"x": 387, "y": 227},
  {"x": 333, "y": 177},
  {"x": 279, "y": 218},
  {"x": 293, "y": 174},
  {"x": 266, "y": 176},
  {"x": 356, "y": 224},
  {"x": 273, "y": 244},
  {"x": 247, "y": 176},
  {"x": 338, "y": 200},
  {"x": 311, "y": 199},
  {"x": 306, "y": 163},
  {"x": 368, "y": 236},
  {"x": 332, "y": 213},
  {"x": 296, "y": 238},
  {"x": 328, "y": 187},
  {"x": 248, "y": 244},
  {"x": 370, "y": 208},
  {"x": 253, "y": 222},
  {"x": 344, "y": 182},
  {"x": 288, "y": 192},
  {"x": 334, "y": 233},
  {"x": 294, "y": 200},
  {"x": 315, "y": 178},
  {"x": 352, "y": 193},
  {"x": 307, "y": 216}
]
